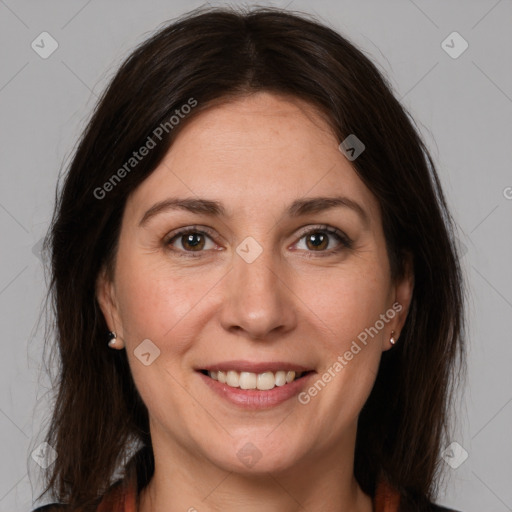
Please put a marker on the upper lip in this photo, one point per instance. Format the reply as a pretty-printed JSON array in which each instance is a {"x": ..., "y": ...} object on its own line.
[{"x": 251, "y": 366}]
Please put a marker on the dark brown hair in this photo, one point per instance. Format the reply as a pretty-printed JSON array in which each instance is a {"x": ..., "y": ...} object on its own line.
[{"x": 213, "y": 55}]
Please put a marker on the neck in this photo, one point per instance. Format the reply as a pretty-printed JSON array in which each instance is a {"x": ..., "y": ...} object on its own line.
[{"x": 183, "y": 481}]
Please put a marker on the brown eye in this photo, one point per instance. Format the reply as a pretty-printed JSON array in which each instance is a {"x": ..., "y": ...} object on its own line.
[
  {"x": 193, "y": 241},
  {"x": 320, "y": 240},
  {"x": 317, "y": 240},
  {"x": 190, "y": 240}
]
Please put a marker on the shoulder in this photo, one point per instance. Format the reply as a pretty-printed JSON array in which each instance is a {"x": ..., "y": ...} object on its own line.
[
  {"x": 439, "y": 508},
  {"x": 52, "y": 507}
]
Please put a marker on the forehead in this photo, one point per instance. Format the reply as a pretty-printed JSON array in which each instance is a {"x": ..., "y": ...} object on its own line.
[{"x": 257, "y": 152}]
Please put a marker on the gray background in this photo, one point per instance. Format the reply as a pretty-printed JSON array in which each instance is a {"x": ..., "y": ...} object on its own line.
[{"x": 463, "y": 107}]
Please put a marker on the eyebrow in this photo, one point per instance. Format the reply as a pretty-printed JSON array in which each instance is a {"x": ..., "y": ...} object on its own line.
[{"x": 298, "y": 208}]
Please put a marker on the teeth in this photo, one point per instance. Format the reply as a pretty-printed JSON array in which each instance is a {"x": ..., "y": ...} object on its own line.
[{"x": 248, "y": 380}]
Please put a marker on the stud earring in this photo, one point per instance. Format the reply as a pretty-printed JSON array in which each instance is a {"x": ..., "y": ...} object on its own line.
[
  {"x": 392, "y": 339},
  {"x": 112, "y": 342}
]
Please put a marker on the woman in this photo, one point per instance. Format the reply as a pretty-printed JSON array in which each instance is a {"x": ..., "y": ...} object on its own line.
[{"x": 258, "y": 296}]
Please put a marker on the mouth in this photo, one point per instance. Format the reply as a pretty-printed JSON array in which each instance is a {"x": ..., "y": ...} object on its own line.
[
  {"x": 263, "y": 381},
  {"x": 253, "y": 385}
]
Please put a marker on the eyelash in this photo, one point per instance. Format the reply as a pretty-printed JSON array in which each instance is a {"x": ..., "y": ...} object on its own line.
[{"x": 345, "y": 241}]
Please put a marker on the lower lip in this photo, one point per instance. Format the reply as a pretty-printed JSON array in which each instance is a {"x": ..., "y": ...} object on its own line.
[{"x": 254, "y": 398}]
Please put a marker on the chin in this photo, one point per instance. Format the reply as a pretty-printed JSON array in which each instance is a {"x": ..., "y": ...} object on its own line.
[{"x": 254, "y": 455}]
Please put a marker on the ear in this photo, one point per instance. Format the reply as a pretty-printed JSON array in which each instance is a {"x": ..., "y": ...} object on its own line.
[
  {"x": 106, "y": 296},
  {"x": 402, "y": 295}
]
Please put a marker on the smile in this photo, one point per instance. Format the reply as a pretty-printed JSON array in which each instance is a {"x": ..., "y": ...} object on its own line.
[
  {"x": 248, "y": 380},
  {"x": 255, "y": 386}
]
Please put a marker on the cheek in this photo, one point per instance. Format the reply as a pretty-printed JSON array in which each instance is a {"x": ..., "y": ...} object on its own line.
[
  {"x": 352, "y": 344},
  {"x": 153, "y": 300},
  {"x": 348, "y": 301},
  {"x": 357, "y": 299},
  {"x": 158, "y": 306}
]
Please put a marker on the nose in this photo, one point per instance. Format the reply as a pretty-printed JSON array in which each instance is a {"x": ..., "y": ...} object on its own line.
[{"x": 259, "y": 301}]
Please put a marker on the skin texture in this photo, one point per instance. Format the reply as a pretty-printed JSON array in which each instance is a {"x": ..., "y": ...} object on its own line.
[{"x": 256, "y": 155}]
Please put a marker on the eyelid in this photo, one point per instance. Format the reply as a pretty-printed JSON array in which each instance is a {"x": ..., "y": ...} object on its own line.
[
  {"x": 321, "y": 227},
  {"x": 189, "y": 229}
]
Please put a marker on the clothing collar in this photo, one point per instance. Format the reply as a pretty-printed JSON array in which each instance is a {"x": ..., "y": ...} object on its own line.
[{"x": 122, "y": 497}]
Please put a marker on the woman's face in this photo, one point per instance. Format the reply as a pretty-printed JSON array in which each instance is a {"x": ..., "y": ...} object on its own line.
[{"x": 261, "y": 284}]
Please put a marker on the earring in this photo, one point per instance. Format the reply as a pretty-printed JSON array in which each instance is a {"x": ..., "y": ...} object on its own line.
[
  {"x": 112, "y": 335},
  {"x": 392, "y": 339}
]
